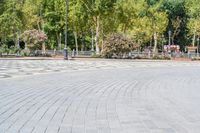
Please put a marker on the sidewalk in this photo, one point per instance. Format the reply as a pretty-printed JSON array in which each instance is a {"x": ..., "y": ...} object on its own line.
[
  {"x": 33, "y": 58},
  {"x": 181, "y": 59},
  {"x": 94, "y": 59}
]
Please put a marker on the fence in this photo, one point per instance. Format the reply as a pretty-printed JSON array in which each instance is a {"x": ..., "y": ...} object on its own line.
[
  {"x": 171, "y": 55},
  {"x": 132, "y": 55},
  {"x": 60, "y": 53}
]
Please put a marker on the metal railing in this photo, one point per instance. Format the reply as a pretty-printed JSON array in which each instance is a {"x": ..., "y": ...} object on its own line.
[
  {"x": 83, "y": 53},
  {"x": 134, "y": 54},
  {"x": 60, "y": 53},
  {"x": 172, "y": 55}
]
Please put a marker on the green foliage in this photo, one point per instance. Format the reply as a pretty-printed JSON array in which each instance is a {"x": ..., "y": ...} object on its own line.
[
  {"x": 10, "y": 19},
  {"x": 142, "y": 20},
  {"x": 96, "y": 56},
  {"x": 4, "y": 49},
  {"x": 193, "y": 11},
  {"x": 14, "y": 50},
  {"x": 128, "y": 12},
  {"x": 157, "y": 57},
  {"x": 195, "y": 58},
  {"x": 25, "y": 52},
  {"x": 176, "y": 11}
]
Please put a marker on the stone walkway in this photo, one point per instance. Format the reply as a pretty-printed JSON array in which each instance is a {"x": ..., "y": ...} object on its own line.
[
  {"x": 21, "y": 68},
  {"x": 99, "y": 97}
]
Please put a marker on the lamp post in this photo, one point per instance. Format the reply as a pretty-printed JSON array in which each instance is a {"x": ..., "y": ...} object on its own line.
[
  {"x": 65, "y": 49},
  {"x": 60, "y": 42},
  {"x": 18, "y": 41},
  {"x": 169, "y": 37},
  {"x": 18, "y": 34},
  {"x": 92, "y": 41},
  {"x": 198, "y": 46},
  {"x": 163, "y": 43},
  {"x": 169, "y": 50}
]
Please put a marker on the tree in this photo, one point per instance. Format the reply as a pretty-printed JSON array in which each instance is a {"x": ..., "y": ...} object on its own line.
[
  {"x": 158, "y": 20},
  {"x": 143, "y": 20},
  {"x": 127, "y": 11},
  {"x": 96, "y": 9},
  {"x": 31, "y": 14},
  {"x": 78, "y": 20},
  {"x": 193, "y": 11},
  {"x": 11, "y": 19},
  {"x": 2, "y": 2},
  {"x": 54, "y": 20},
  {"x": 176, "y": 25},
  {"x": 177, "y": 21}
]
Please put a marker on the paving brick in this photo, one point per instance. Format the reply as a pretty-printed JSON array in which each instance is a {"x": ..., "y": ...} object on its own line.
[{"x": 99, "y": 97}]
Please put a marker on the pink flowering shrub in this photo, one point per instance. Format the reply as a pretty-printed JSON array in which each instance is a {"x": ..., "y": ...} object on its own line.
[{"x": 34, "y": 39}]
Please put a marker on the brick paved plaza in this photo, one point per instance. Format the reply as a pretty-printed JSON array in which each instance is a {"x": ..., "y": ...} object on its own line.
[{"x": 99, "y": 96}]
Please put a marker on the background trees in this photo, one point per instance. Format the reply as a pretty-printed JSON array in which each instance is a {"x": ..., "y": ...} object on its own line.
[
  {"x": 158, "y": 20},
  {"x": 147, "y": 22},
  {"x": 11, "y": 20},
  {"x": 193, "y": 11},
  {"x": 178, "y": 20}
]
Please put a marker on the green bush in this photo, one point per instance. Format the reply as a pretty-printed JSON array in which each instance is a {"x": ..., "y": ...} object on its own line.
[
  {"x": 156, "y": 57},
  {"x": 14, "y": 50},
  {"x": 196, "y": 59},
  {"x": 25, "y": 52},
  {"x": 140, "y": 57},
  {"x": 96, "y": 56},
  {"x": 4, "y": 49}
]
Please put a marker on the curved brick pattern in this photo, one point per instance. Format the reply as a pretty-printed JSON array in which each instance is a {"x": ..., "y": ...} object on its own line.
[
  {"x": 139, "y": 98},
  {"x": 22, "y": 68}
]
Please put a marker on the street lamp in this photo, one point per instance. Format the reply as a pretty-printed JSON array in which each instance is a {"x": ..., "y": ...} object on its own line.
[
  {"x": 198, "y": 46},
  {"x": 169, "y": 37},
  {"x": 18, "y": 41},
  {"x": 65, "y": 49},
  {"x": 92, "y": 41},
  {"x": 18, "y": 34},
  {"x": 169, "y": 51},
  {"x": 60, "y": 42},
  {"x": 163, "y": 37}
]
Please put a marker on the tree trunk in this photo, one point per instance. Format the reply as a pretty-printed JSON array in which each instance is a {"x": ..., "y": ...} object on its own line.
[
  {"x": 18, "y": 39},
  {"x": 76, "y": 41},
  {"x": 97, "y": 34},
  {"x": 25, "y": 45},
  {"x": 155, "y": 43},
  {"x": 102, "y": 41},
  {"x": 92, "y": 41},
  {"x": 58, "y": 41},
  {"x": 43, "y": 48},
  {"x": 194, "y": 38},
  {"x": 15, "y": 38},
  {"x": 82, "y": 43},
  {"x": 38, "y": 25},
  {"x": 125, "y": 28}
]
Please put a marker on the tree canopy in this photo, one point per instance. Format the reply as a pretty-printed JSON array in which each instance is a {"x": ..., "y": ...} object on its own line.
[{"x": 145, "y": 21}]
